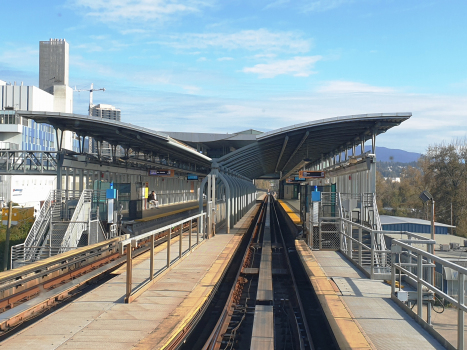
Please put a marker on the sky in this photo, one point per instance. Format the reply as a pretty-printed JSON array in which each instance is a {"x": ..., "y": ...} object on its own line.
[{"x": 230, "y": 65}]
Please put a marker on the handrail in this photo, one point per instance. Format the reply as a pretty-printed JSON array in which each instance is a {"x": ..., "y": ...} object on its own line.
[
  {"x": 159, "y": 230},
  {"x": 425, "y": 259},
  {"x": 132, "y": 242},
  {"x": 33, "y": 232},
  {"x": 79, "y": 221}
]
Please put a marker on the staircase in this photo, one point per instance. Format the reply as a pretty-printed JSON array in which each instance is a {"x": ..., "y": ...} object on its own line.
[{"x": 53, "y": 226}]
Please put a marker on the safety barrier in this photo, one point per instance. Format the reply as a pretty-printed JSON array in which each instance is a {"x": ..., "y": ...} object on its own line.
[
  {"x": 416, "y": 267},
  {"x": 201, "y": 220}
]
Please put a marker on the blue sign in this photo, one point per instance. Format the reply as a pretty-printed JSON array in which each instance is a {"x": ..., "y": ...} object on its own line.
[
  {"x": 316, "y": 196},
  {"x": 111, "y": 194},
  {"x": 298, "y": 178},
  {"x": 192, "y": 177}
]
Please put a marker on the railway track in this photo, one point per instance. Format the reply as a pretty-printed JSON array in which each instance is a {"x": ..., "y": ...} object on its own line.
[
  {"x": 32, "y": 291},
  {"x": 283, "y": 313},
  {"x": 263, "y": 294}
]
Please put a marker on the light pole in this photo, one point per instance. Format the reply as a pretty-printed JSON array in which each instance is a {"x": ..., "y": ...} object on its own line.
[{"x": 425, "y": 196}]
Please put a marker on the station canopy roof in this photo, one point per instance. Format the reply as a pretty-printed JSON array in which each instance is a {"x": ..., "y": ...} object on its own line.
[
  {"x": 284, "y": 150},
  {"x": 272, "y": 154},
  {"x": 118, "y": 133}
]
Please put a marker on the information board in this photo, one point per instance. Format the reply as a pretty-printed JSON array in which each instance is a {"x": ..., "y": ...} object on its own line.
[
  {"x": 161, "y": 172},
  {"x": 311, "y": 174}
]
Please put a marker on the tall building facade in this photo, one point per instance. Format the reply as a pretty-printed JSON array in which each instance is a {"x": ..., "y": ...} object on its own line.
[
  {"x": 54, "y": 73},
  {"x": 106, "y": 112},
  {"x": 17, "y": 133}
]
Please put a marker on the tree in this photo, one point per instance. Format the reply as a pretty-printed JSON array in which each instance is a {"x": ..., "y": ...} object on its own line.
[{"x": 445, "y": 172}]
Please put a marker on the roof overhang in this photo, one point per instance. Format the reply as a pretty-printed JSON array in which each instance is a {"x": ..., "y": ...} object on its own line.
[
  {"x": 118, "y": 133},
  {"x": 283, "y": 150}
]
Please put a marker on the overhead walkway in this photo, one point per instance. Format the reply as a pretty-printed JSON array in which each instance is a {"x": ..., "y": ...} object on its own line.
[
  {"x": 360, "y": 311},
  {"x": 101, "y": 319}
]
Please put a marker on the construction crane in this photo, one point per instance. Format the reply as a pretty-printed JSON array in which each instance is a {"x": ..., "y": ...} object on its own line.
[{"x": 90, "y": 95}]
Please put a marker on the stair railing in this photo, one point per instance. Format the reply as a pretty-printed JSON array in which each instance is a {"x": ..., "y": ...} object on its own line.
[{"x": 79, "y": 221}]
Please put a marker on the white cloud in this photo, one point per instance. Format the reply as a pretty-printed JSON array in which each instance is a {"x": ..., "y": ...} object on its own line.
[
  {"x": 202, "y": 59},
  {"x": 352, "y": 87},
  {"x": 298, "y": 66},
  {"x": 252, "y": 40},
  {"x": 220, "y": 59},
  {"x": 115, "y": 11},
  {"x": 134, "y": 31},
  {"x": 19, "y": 56},
  {"x": 323, "y": 5}
]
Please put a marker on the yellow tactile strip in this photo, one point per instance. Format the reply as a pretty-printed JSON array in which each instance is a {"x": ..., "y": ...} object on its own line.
[
  {"x": 348, "y": 333},
  {"x": 290, "y": 212}
]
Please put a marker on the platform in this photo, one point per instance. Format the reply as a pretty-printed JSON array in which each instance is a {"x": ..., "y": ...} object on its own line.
[
  {"x": 101, "y": 320},
  {"x": 355, "y": 304},
  {"x": 155, "y": 218},
  {"x": 292, "y": 209},
  {"x": 162, "y": 211}
]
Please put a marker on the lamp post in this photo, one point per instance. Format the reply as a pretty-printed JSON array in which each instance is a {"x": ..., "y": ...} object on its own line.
[{"x": 425, "y": 196}]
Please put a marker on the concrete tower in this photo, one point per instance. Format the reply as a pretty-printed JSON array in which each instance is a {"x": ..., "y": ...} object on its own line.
[
  {"x": 53, "y": 64},
  {"x": 54, "y": 71}
]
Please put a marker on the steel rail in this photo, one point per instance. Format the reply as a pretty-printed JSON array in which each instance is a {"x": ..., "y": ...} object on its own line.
[
  {"x": 295, "y": 288},
  {"x": 213, "y": 341}
]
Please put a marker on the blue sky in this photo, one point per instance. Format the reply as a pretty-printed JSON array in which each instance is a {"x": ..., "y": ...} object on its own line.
[{"x": 226, "y": 66}]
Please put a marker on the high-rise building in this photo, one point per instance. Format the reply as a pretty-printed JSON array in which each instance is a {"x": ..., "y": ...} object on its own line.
[
  {"x": 106, "y": 112},
  {"x": 17, "y": 133},
  {"x": 54, "y": 71},
  {"x": 53, "y": 64}
]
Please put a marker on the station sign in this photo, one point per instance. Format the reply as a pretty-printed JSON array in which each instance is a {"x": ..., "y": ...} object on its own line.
[
  {"x": 295, "y": 179},
  {"x": 311, "y": 174},
  {"x": 192, "y": 177},
  {"x": 162, "y": 172}
]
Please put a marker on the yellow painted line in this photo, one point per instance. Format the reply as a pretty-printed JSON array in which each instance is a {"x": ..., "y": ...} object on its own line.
[
  {"x": 290, "y": 212},
  {"x": 348, "y": 333}
]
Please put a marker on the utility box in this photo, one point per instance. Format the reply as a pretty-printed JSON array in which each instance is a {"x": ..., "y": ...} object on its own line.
[
  {"x": 454, "y": 245},
  {"x": 402, "y": 295},
  {"x": 444, "y": 247}
]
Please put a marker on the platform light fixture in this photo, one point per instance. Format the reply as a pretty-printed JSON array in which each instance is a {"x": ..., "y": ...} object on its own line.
[{"x": 425, "y": 196}]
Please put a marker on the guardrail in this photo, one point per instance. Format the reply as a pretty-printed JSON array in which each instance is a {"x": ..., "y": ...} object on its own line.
[
  {"x": 366, "y": 248},
  {"x": 131, "y": 243},
  {"x": 419, "y": 268}
]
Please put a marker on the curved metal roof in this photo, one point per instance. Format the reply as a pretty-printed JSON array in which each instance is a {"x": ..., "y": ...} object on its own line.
[
  {"x": 118, "y": 133},
  {"x": 282, "y": 150}
]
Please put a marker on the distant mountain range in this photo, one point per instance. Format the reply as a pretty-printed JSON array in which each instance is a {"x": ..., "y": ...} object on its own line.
[{"x": 384, "y": 154}]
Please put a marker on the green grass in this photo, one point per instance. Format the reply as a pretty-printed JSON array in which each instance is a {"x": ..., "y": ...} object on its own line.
[{"x": 18, "y": 234}]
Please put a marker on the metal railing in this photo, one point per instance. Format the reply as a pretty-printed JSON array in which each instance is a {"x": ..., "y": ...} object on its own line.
[
  {"x": 31, "y": 162},
  {"x": 178, "y": 226},
  {"x": 418, "y": 269},
  {"x": 79, "y": 221},
  {"x": 18, "y": 252},
  {"x": 40, "y": 234}
]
